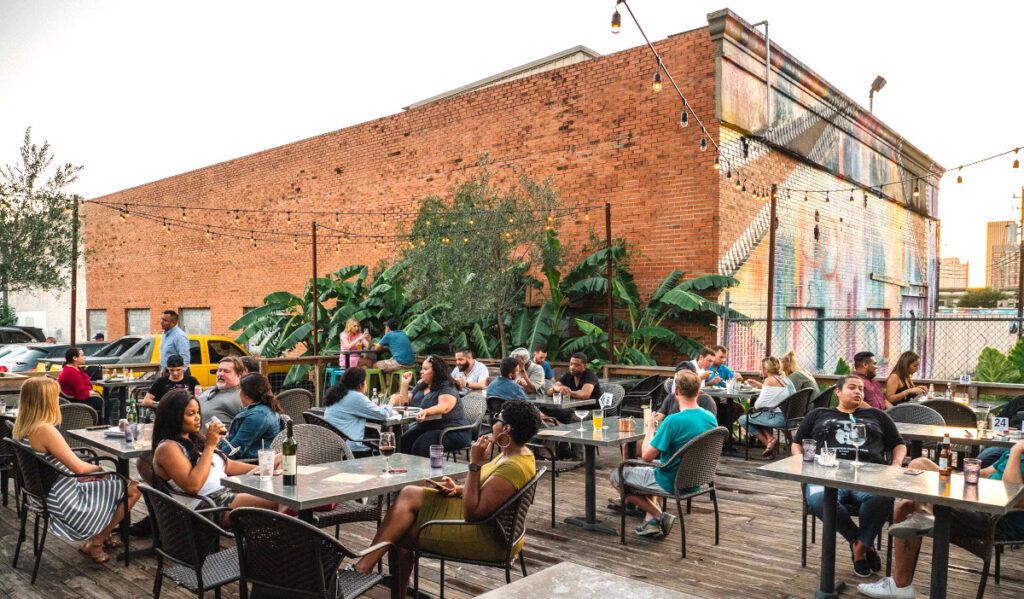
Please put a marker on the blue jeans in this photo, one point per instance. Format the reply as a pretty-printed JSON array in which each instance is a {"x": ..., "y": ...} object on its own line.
[
  {"x": 874, "y": 511},
  {"x": 991, "y": 455},
  {"x": 770, "y": 419},
  {"x": 417, "y": 440}
]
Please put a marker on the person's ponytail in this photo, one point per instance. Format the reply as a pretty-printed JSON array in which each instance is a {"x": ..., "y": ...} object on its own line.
[{"x": 352, "y": 379}]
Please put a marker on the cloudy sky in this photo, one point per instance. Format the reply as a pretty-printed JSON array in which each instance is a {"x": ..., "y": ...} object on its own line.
[{"x": 140, "y": 91}]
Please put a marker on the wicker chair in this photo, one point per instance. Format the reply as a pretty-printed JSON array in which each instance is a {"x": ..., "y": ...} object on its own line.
[
  {"x": 318, "y": 420},
  {"x": 915, "y": 413},
  {"x": 647, "y": 391},
  {"x": 191, "y": 542},
  {"x": 317, "y": 445},
  {"x": 824, "y": 399},
  {"x": 7, "y": 470},
  {"x": 75, "y": 416},
  {"x": 36, "y": 477},
  {"x": 794, "y": 408},
  {"x": 474, "y": 407},
  {"x": 294, "y": 402},
  {"x": 282, "y": 556},
  {"x": 618, "y": 394},
  {"x": 508, "y": 521},
  {"x": 695, "y": 475},
  {"x": 953, "y": 413}
]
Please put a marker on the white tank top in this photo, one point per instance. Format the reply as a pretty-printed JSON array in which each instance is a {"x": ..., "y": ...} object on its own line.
[{"x": 212, "y": 481}]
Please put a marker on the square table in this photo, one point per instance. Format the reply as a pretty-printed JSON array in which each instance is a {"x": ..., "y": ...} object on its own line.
[
  {"x": 591, "y": 439},
  {"x": 124, "y": 387},
  {"x": 360, "y": 478},
  {"x": 567, "y": 580},
  {"x": 944, "y": 493},
  {"x": 919, "y": 433},
  {"x": 399, "y": 420},
  {"x": 564, "y": 404},
  {"x": 725, "y": 416}
]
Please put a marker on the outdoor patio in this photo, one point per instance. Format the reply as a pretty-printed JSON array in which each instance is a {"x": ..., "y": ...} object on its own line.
[{"x": 759, "y": 554}]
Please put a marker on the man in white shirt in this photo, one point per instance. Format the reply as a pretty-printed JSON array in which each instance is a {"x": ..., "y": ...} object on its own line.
[
  {"x": 469, "y": 374},
  {"x": 705, "y": 357}
]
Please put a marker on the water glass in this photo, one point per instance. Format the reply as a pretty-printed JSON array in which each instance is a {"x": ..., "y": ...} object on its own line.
[
  {"x": 436, "y": 456},
  {"x": 981, "y": 415},
  {"x": 810, "y": 446},
  {"x": 647, "y": 413},
  {"x": 972, "y": 471},
  {"x": 265, "y": 459},
  {"x": 137, "y": 430},
  {"x": 3, "y": 406},
  {"x": 828, "y": 456}
]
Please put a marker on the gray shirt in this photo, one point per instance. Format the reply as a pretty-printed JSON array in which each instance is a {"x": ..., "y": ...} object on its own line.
[
  {"x": 222, "y": 403},
  {"x": 535, "y": 373}
]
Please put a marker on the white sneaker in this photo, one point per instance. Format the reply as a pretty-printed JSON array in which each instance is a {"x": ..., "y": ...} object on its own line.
[
  {"x": 886, "y": 589},
  {"x": 917, "y": 525}
]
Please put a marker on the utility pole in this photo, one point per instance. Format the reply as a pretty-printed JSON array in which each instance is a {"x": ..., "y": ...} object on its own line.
[
  {"x": 771, "y": 273},
  {"x": 1020, "y": 265},
  {"x": 74, "y": 267}
]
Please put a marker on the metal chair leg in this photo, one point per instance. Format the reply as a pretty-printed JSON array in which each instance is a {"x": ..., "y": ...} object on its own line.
[
  {"x": 714, "y": 500},
  {"x": 42, "y": 543},
  {"x": 522, "y": 563},
  {"x": 442, "y": 579},
  {"x": 682, "y": 526}
]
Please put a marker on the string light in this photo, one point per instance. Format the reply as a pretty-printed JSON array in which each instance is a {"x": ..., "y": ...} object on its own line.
[
  {"x": 826, "y": 197},
  {"x": 295, "y": 245},
  {"x": 737, "y": 183},
  {"x": 657, "y": 81},
  {"x": 236, "y": 217},
  {"x": 851, "y": 197},
  {"x": 167, "y": 227},
  {"x": 805, "y": 196},
  {"x": 465, "y": 240},
  {"x": 511, "y": 221},
  {"x": 959, "y": 179},
  {"x": 384, "y": 220},
  {"x": 586, "y": 216},
  {"x": 428, "y": 223},
  {"x": 337, "y": 246},
  {"x": 744, "y": 185},
  {"x": 917, "y": 192},
  {"x": 119, "y": 216},
  {"x": 616, "y": 21},
  {"x": 1016, "y": 161},
  {"x": 684, "y": 120},
  {"x": 252, "y": 237},
  {"x": 209, "y": 234},
  {"x": 728, "y": 173},
  {"x": 470, "y": 221},
  {"x": 184, "y": 216},
  {"x": 703, "y": 144},
  {"x": 336, "y": 222},
  {"x": 717, "y": 165},
  {"x": 67, "y": 208},
  {"x": 289, "y": 218}
]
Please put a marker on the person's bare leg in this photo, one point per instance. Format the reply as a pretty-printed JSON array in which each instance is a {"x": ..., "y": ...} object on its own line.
[
  {"x": 395, "y": 525},
  {"x": 246, "y": 500},
  {"x": 904, "y": 551},
  {"x": 133, "y": 495},
  {"x": 647, "y": 504}
]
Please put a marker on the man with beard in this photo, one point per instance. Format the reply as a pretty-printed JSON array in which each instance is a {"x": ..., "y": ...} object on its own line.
[
  {"x": 222, "y": 400},
  {"x": 865, "y": 368},
  {"x": 468, "y": 373}
]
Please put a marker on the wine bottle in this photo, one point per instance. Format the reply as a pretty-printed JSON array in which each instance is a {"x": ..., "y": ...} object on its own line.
[
  {"x": 289, "y": 449},
  {"x": 945, "y": 457}
]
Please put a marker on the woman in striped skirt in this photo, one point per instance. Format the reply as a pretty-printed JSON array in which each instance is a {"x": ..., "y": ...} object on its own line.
[{"x": 81, "y": 509}]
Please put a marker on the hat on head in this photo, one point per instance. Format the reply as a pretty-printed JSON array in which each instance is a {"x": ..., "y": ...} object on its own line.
[{"x": 175, "y": 361}]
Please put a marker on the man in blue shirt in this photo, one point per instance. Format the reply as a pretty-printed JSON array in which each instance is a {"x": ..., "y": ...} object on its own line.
[
  {"x": 540, "y": 357},
  {"x": 173, "y": 342},
  {"x": 719, "y": 370},
  {"x": 505, "y": 386},
  {"x": 663, "y": 441},
  {"x": 397, "y": 342}
]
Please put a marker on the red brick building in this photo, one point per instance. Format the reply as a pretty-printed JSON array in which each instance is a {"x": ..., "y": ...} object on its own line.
[{"x": 600, "y": 131}]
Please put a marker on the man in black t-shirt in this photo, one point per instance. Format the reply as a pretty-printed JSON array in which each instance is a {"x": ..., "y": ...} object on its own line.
[
  {"x": 175, "y": 379},
  {"x": 883, "y": 445},
  {"x": 578, "y": 383}
]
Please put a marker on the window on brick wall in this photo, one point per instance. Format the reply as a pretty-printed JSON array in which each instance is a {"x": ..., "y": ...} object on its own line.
[
  {"x": 95, "y": 322},
  {"x": 137, "y": 321},
  {"x": 195, "y": 321}
]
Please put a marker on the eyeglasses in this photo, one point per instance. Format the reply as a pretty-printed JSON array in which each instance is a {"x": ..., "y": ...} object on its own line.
[{"x": 498, "y": 419}]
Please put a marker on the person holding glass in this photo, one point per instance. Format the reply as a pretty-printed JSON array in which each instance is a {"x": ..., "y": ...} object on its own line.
[
  {"x": 900, "y": 387},
  {"x": 352, "y": 338},
  {"x": 436, "y": 393},
  {"x": 348, "y": 409},
  {"x": 880, "y": 444}
]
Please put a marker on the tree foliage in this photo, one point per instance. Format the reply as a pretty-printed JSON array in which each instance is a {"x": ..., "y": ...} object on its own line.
[
  {"x": 981, "y": 297},
  {"x": 35, "y": 221}
]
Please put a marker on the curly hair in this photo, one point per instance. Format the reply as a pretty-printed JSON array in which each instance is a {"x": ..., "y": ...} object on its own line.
[
  {"x": 441, "y": 377},
  {"x": 522, "y": 418}
]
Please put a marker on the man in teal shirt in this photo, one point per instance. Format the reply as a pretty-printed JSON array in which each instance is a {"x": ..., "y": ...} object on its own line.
[
  {"x": 397, "y": 342},
  {"x": 664, "y": 441}
]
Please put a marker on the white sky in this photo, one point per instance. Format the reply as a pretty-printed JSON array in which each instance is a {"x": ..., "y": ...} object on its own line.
[{"x": 138, "y": 91}]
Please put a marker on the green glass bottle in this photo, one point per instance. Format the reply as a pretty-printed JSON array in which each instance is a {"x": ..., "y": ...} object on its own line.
[{"x": 289, "y": 449}]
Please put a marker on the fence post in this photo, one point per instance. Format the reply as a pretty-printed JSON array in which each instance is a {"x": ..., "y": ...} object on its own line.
[
  {"x": 725, "y": 323},
  {"x": 913, "y": 331}
]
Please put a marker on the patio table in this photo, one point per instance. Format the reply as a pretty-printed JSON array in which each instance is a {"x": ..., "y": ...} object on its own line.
[
  {"x": 340, "y": 481},
  {"x": 399, "y": 420},
  {"x": 123, "y": 388},
  {"x": 564, "y": 404},
  {"x": 591, "y": 439},
  {"x": 567, "y": 580},
  {"x": 944, "y": 493},
  {"x": 724, "y": 416},
  {"x": 917, "y": 434}
]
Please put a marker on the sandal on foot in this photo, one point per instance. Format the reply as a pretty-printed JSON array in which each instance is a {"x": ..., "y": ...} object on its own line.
[
  {"x": 770, "y": 449},
  {"x": 90, "y": 550},
  {"x": 112, "y": 543}
]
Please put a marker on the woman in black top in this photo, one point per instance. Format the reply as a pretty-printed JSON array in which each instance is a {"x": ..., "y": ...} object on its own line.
[
  {"x": 436, "y": 393},
  {"x": 900, "y": 387}
]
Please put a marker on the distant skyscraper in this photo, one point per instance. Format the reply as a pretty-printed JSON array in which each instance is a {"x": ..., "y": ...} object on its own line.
[
  {"x": 1002, "y": 255},
  {"x": 953, "y": 274}
]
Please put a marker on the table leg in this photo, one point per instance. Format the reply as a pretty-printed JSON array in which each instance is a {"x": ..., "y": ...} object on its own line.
[
  {"x": 126, "y": 522},
  {"x": 106, "y": 402},
  {"x": 940, "y": 552},
  {"x": 828, "y": 588},
  {"x": 726, "y": 421},
  {"x": 589, "y": 521},
  {"x": 306, "y": 516},
  {"x": 915, "y": 449}
]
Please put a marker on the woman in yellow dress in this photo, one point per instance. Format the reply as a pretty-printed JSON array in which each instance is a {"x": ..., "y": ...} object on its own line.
[{"x": 487, "y": 486}]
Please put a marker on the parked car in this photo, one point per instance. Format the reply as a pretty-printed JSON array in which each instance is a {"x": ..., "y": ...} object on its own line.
[
  {"x": 34, "y": 352},
  {"x": 20, "y": 335}
]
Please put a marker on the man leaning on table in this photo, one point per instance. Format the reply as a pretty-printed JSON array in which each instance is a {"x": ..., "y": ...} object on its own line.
[
  {"x": 884, "y": 445},
  {"x": 913, "y": 520}
]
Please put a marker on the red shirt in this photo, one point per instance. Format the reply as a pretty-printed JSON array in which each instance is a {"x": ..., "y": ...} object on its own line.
[
  {"x": 74, "y": 383},
  {"x": 873, "y": 393}
]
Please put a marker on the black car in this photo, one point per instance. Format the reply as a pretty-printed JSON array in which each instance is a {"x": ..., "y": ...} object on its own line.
[
  {"x": 50, "y": 351},
  {"x": 20, "y": 335}
]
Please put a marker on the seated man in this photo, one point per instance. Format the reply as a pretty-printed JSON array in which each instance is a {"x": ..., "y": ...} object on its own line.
[
  {"x": 531, "y": 376},
  {"x": 663, "y": 441},
  {"x": 505, "y": 385},
  {"x": 914, "y": 520},
  {"x": 832, "y": 426},
  {"x": 578, "y": 383},
  {"x": 469, "y": 374},
  {"x": 175, "y": 379},
  {"x": 540, "y": 357},
  {"x": 222, "y": 400},
  {"x": 397, "y": 342},
  {"x": 719, "y": 371}
]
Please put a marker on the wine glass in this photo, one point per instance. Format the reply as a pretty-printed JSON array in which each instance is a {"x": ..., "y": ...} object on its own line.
[
  {"x": 858, "y": 435},
  {"x": 581, "y": 414},
  {"x": 387, "y": 449},
  {"x": 224, "y": 435}
]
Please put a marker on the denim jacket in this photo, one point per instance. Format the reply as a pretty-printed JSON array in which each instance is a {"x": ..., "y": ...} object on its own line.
[{"x": 252, "y": 426}]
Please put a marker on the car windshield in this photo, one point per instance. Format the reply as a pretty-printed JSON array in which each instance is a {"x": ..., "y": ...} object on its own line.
[
  {"x": 116, "y": 348},
  {"x": 13, "y": 354},
  {"x": 30, "y": 357}
]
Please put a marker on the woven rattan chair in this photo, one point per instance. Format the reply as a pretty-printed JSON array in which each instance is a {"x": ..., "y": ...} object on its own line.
[
  {"x": 282, "y": 556},
  {"x": 76, "y": 416},
  {"x": 191, "y": 542},
  {"x": 294, "y": 402},
  {"x": 953, "y": 413},
  {"x": 794, "y": 408},
  {"x": 508, "y": 521},
  {"x": 474, "y": 407},
  {"x": 36, "y": 477},
  {"x": 646, "y": 392},
  {"x": 618, "y": 393},
  {"x": 7, "y": 470},
  {"x": 915, "y": 413},
  {"x": 698, "y": 462},
  {"x": 314, "y": 418},
  {"x": 317, "y": 445},
  {"x": 824, "y": 399}
]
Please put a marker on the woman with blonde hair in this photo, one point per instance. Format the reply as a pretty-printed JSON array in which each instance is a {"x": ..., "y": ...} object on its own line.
[
  {"x": 765, "y": 414},
  {"x": 80, "y": 508},
  {"x": 801, "y": 378},
  {"x": 351, "y": 339},
  {"x": 900, "y": 387}
]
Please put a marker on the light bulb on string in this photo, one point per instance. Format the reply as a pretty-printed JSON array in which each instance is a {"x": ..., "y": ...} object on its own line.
[
  {"x": 1016, "y": 161},
  {"x": 384, "y": 220},
  {"x": 125, "y": 213},
  {"x": 289, "y": 218},
  {"x": 684, "y": 119},
  {"x": 616, "y": 21},
  {"x": 465, "y": 240},
  {"x": 428, "y": 223},
  {"x": 337, "y": 246},
  {"x": 744, "y": 185},
  {"x": 959, "y": 179},
  {"x": 184, "y": 215},
  {"x": 851, "y": 197},
  {"x": 236, "y": 217},
  {"x": 703, "y": 144},
  {"x": 295, "y": 245},
  {"x": 917, "y": 191},
  {"x": 737, "y": 183},
  {"x": 67, "y": 208},
  {"x": 120, "y": 216},
  {"x": 657, "y": 81},
  {"x": 470, "y": 221},
  {"x": 336, "y": 222},
  {"x": 728, "y": 173},
  {"x": 865, "y": 199},
  {"x": 717, "y": 166},
  {"x": 209, "y": 234},
  {"x": 805, "y": 196},
  {"x": 586, "y": 215},
  {"x": 826, "y": 197}
]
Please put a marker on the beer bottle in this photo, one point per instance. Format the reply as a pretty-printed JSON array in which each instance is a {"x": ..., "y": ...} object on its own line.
[{"x": 945, "y": 457}]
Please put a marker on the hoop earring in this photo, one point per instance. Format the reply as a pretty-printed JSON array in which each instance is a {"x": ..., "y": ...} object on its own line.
[{"x": 508, "y": 440}]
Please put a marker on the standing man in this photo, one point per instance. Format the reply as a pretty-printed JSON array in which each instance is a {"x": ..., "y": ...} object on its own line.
[
  {"x": 718, "y": 368},
  {"x": 468, "y": 373},
  {"x": 865, "y": 368},
  {"x": 540, "y": 358},
  {"x": 173, "y": 342},
  {"x": 397, "y": 342},
  {"x": 223, "y": 400}
]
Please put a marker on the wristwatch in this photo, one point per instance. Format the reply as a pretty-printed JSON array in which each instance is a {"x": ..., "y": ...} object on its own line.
[{"x": 475, "y": 467}]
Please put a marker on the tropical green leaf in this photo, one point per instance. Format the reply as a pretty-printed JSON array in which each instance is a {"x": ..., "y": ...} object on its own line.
[
  {"x": 542, "y": 326},
  {"x": 479, "y": 341},
  {"x": 1016, "y": 356},
  {"x": 297, "y": 373},
  {"x": 994, "y": 367},
  {"x": 252, "y": 316},
  {"x": 666, "y": 285},
  {"x": 708, "y": 282},
  {"x": 521, "y": 329},
  {"x": 585, "y": 287},
  {"x": 282, "y": 297},
  {"x": 296, "y": 336},
  {"x": 637, "y": 358}
]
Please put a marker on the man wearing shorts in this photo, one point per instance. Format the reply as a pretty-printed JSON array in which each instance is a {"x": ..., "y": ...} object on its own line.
[{"x": 664, "y": 441}]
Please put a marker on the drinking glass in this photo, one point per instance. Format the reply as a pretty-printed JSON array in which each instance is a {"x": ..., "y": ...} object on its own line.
[
  {"x": 266, "y": 463},
  {"x": 858, "y": 435},
  {"x": 557, "y": 396},
  {"x": 137, "y": 432},
  {"x": 232, "y": 449},
  {"x": 981, "y": 415},
  {"x": 810, "y": 446},
  {"x": 972, "y": 470},
  {"x": 581, "y": 414},
  {"x": 598, "y": 418},
  {"x": 3, "y": 406},
  {"x": 436, "y": 456},
  {"x": 647, "y": 413},
  {"x": 387, "y": 449}
]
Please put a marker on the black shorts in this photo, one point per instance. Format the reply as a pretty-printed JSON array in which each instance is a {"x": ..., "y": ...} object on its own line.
[{"x": 972, "y": 525}]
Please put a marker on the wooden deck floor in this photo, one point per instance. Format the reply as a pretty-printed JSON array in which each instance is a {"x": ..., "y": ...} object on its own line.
[{"x": 759, "y": 554}]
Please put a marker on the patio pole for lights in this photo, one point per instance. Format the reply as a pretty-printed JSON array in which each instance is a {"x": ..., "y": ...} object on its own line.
[
  {"x": 611, "y": 297},
  {"x": 316, "y": 326},
  {"x": 771, "y": 273},
  {"x": 74, "y": 266},
  {"x": 1020, "y": 270}
]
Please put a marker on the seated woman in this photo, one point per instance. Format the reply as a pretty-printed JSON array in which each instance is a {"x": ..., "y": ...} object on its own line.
[
  {"x": 76, "y": 385},
  {"x": 436, "y": 393},
  {"x": 487, "y": 486},
  {"x": 259, "y": 421},
  {"x": 193, "y": 464},
  {"x": 352, "y": 338},
  {"x": 505, "y": 386},
  {"x": 900, "y": 387},
  {"x": 775, "y": 388},
  {"x": 348, "y": 408},
  {"x": 81, "y": 509},
  {"x": 800, "y": 378}
]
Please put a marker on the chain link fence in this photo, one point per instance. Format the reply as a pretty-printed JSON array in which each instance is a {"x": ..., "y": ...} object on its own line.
[{"x": 948, "y": 345}]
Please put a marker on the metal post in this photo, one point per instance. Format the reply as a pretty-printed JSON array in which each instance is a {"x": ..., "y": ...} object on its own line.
[
  {"x": 74, "y": 267},
  {"x": 611, "y": 296},
  {"x": 1020, "y": 261},
  {"x": 316, "y": 325},
  {"x": 913, "y": 330},
  {"x": 725, "y": 323},
  {"x": 771, "y": 272}
]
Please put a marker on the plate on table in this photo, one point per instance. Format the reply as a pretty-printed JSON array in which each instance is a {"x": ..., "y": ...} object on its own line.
[
  {"x": 412, "y": 410},
  {"x": 113, "y": 432}
]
